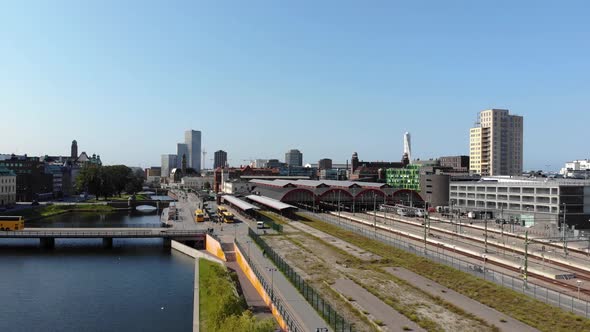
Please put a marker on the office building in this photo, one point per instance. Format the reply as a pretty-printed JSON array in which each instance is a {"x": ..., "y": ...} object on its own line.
[
  {"x": 404, "y": 178},
  {"x": 496, "y": 143},
  {"x": 458, "y": 164},
  {"x": 579, "y": 169},
  {"x": 181, "y": 150},
  {"x": 325, "y": 164},
  {"x": 220, "y": 159},
  {"x": 169, "y": 162},
  {"x": 7, "y": 187},
  {"x": 192, "y": 138},
  {"x": 32, "y": 183},
  {"x": 294, "y": 158},
  {"x": 528, "y": 201}
]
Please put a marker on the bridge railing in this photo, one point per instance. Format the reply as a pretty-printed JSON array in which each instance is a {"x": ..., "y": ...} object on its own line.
[{"x": 100, "y": 233}]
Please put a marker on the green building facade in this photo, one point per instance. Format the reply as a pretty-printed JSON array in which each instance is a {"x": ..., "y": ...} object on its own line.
[{"x": 404, "y": 178}]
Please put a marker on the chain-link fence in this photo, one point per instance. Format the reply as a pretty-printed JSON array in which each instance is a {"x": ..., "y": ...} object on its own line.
[
  {"x": 337, "y": 322},
  {"x": 278, "y": 302},
  {"x": 439, "y": 255}
]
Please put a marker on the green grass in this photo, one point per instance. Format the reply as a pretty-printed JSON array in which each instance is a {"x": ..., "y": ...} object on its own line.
[
  {"x": 519, "y": 306},
  {"x": 221, "y": 308},
  {"x": 40, "y": 212},
  {"x": 271, "y": 216}
]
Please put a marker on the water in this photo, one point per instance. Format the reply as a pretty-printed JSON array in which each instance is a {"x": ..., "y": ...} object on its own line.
[{"x": 79, "y": 286}]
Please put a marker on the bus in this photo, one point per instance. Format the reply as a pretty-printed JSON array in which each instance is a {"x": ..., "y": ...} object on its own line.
[
  {"x": 12, "y": 223},
  {"x": 199, "y": 216},
  {"x": 221, "y": 209},
  {"x": 227, "y": 217}
]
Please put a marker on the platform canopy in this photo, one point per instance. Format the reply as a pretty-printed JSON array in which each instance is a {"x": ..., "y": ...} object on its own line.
[
  {"x": 272, "y": 203},
  {"x": 240, "y": 204}
]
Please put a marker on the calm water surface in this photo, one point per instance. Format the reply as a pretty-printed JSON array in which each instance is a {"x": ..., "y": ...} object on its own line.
[{"x": 79, "y": 286}]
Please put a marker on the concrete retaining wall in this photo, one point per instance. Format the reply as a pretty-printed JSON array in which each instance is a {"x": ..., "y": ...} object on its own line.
[
  {"x": 194, "y": 253},
  {"x": 258, "y": 286},
  {"x": 214, "y": 248}
]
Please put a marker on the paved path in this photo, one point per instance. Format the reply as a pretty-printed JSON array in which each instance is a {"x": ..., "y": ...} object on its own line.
[
  {"x": 379, "y": 310},
  {"x": 299, "y": 307},
  {"x": 253, "y": 299},
  {"x": 482, "y": 311}
]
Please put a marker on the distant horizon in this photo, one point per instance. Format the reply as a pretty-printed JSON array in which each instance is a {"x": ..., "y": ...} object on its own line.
[{"x": 260, "y": 78}]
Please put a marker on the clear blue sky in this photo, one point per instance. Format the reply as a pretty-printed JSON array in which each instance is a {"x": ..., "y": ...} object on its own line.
[{"x": 126, "y": 78}]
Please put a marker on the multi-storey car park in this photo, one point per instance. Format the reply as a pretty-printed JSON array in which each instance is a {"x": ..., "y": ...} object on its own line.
[{"x": 528, "y": 201}]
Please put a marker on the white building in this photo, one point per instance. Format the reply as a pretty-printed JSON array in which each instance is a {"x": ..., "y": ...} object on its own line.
[
  {"x": 528, "y": 200},
  {"x": 237, "y": 187},
  {"x": 7, "y": 187},
  {"x": 196, "y": 182},
  {"x": 408, "y": 145},
  {"x": 576, "y": 169}
]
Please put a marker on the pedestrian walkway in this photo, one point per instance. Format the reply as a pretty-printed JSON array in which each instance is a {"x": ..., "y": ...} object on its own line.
[
  {"x": 373, "y": 306},
  {"x": 473, "y": 307},
  {"x": 302, "y": 311},
  {"x": 255, "y": 302}
]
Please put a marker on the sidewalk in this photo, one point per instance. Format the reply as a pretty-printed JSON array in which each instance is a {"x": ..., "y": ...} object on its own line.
[
  {"x": 301, "y": 310},
  {"x": 480, "y": 310}
]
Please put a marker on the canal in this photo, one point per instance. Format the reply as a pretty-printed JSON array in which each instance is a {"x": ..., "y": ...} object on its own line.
[{"x": 79, "y": 286}]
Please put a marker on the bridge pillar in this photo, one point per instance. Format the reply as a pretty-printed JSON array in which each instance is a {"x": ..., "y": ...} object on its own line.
[
  {"x": 47, "y": 242},
  {"x": 107, "y": 242},
  {"x": 167, "y": 243}
]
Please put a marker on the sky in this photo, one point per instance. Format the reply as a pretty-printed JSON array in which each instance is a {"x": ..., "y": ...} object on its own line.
[{"x": 127, "y": 78}]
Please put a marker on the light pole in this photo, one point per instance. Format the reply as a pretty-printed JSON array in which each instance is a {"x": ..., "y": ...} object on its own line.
[
  {"x": 353, "y": 201},
  {"x": 375, "y": 212},
  {"x": 526, "y": 257},
  {"x": 484, "y": 265},
  {"x": 339, "y": 206},
  {"x": 579, "y": 284}
]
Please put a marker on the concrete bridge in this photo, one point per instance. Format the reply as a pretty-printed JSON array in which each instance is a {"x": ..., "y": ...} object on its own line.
[
  {"x": 133, "y": 204},
  {"x": 47, "y": 236}
]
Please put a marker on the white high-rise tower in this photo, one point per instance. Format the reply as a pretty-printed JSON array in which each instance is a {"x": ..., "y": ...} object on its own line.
[{"x": 408, "y": 145}]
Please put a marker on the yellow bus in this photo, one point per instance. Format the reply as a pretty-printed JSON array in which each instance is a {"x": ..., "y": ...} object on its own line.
[
  {"x": 221, "y": 210},
  {"x": 12, "y": 223},
  {"x": 227, "y": 217},
  {"x": 199, "y": 216}
]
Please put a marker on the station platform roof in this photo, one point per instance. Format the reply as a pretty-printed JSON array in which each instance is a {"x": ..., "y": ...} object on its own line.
[
  {"x": 240, "y": 204},
  {"x": 270, "y": 202}
]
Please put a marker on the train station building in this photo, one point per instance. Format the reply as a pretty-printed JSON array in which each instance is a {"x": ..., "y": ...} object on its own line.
[{"x": 329, "y": 195}]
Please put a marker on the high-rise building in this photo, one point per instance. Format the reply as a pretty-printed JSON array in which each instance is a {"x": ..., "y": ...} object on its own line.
[
  {"x": 169, "y": 162},
  {"x": 192, "y": 138},
  {"x": 181, "y": 150},
  {"x": 325, "y": 163},
  {"x": 408, "y": 146},
  {"x": 220, "y": 159},
  {"x": 294, "y": 158},
  {"x": 496, "y": 144},
  {"x": 74, "y": 150}
]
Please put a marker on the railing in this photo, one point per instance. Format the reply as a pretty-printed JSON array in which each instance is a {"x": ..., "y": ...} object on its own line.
[
  {"x": 337, "y": 322},
  {"x": 543, "y": 294},
  {"x": 90, "y": 226},
  {"x": 98, "y": 233},
  {"x": 292, "y": 324}
]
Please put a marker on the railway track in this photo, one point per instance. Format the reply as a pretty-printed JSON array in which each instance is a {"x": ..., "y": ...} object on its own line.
[
  {"x": 580, "y": 273},
  {"x": 556, "y": 283}
]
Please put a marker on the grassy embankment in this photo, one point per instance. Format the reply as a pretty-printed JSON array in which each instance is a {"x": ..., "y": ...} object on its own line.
[
  {"x": 40, "y": 212},
  {"x": 529, "y": 311},
  {"x": 221, "y": 308}
]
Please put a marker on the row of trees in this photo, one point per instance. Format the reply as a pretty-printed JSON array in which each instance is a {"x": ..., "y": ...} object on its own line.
[{"x": 108, "y": 181}]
